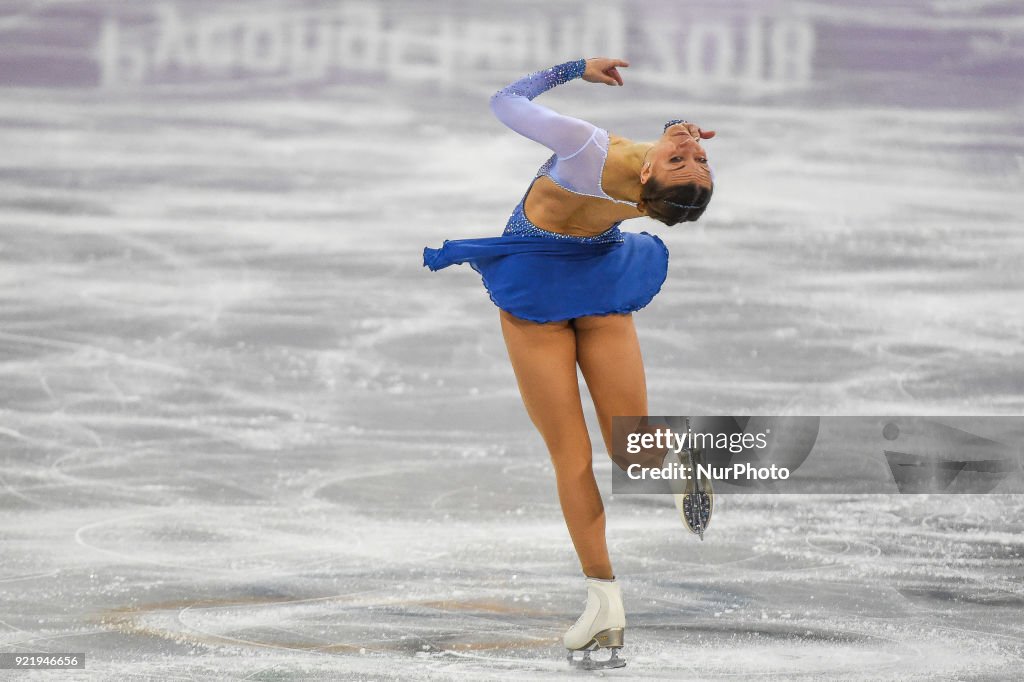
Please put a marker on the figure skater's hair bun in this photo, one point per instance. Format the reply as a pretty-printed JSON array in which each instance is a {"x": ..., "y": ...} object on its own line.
[{"x": 675, "y": 204}]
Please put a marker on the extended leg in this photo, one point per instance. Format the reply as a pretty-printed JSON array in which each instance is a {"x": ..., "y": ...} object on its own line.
[
  {"x": 608, "y": 352},
  {"x": 544, "y": 360},
  {"x": 609, "y": 355}
]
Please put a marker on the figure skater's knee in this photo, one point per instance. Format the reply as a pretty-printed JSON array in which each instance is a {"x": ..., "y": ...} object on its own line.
[
  {"x": 569, "y": 439},
  {"x": 572, "y": 461}
]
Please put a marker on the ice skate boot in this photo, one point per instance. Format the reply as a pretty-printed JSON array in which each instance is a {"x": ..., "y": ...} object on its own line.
[
  {"x": 697, "y": 500},
  {"x": 601, "y": 626}
]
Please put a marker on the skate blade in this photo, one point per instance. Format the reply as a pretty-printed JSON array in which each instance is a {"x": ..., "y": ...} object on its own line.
[
  {"x": 588, "y": 663},
  {"x": 698, "y": 502},
  {"x": 696, "y": 512},
  {"x": 611, "y": 639}
]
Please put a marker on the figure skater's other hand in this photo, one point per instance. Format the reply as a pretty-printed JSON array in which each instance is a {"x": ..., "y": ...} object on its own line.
[
  {"x": 697, "y": 133},
  {"x": 603, "y": 70}
]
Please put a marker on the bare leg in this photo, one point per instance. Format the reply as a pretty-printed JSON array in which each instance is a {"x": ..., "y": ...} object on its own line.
[
  {"x": 544, "y": 360},
  {"x": 608, "y": 351}
]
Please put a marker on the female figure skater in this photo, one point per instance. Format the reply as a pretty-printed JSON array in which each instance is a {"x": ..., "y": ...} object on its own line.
[{"x": 566, "y": 280}]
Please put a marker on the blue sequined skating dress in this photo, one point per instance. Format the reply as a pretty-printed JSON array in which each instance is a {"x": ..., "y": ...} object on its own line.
[{"x": 545, "y": 276}]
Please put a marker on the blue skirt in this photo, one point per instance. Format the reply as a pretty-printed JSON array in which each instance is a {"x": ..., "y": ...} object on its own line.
[{"x": 544, "y": 279}]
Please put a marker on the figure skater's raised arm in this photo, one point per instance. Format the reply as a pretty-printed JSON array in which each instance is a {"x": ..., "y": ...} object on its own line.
[{"x": 513, "y": 105}]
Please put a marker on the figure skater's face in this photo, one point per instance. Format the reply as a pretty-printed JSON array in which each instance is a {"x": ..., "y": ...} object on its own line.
[{"x": 677, "y": 158}]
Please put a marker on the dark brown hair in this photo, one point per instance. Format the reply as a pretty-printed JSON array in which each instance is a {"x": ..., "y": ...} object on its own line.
[{"x": 675, "y": 204}]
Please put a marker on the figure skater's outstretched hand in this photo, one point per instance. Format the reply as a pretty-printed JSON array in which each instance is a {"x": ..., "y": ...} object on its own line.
[{"x": 603, "y": 70}]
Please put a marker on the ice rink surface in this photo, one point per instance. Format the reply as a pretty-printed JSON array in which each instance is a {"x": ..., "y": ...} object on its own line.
[{"x": 245, "y": 435}]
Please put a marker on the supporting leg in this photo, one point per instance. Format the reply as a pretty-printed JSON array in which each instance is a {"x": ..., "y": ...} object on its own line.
[{"x": 544, "y": 360}]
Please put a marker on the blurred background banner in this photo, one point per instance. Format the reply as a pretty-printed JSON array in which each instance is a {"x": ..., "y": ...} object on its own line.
[{"x": 863, "y": 54}]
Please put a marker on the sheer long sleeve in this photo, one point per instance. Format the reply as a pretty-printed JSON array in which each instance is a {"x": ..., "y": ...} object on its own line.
[{"x": 514, "y": 106}]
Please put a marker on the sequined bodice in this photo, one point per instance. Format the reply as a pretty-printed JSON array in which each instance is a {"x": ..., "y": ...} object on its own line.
[{"x": 519, "y": 226}]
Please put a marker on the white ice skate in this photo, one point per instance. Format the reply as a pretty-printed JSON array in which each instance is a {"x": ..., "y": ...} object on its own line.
[{"x": 601, "y": 626}]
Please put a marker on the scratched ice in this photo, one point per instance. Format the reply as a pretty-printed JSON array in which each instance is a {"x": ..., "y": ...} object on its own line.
[{"x": 245, "y": 435}]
